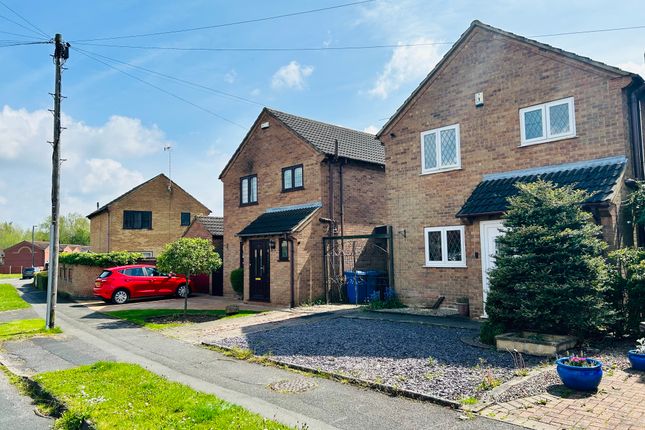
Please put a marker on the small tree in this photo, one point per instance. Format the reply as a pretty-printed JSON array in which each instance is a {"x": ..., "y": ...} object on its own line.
[
  {"x": 189, "y": 256},
  {"x": 549, "y": 268}
]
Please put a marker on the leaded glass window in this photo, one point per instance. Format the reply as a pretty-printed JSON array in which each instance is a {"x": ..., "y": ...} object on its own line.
[
  {"x": 548, "y": 121},
  {"x": 440, "y": 149},
  {"x": 444, "y": 246}
]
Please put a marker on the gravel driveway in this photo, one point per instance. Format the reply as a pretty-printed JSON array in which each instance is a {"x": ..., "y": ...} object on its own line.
[{"x": 423, "y": 358}]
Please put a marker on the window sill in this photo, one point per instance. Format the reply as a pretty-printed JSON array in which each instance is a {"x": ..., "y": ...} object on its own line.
[
  {"x": 447, "y": 169},
  {"x": 293, "y": 189},
  {"x": 553, "y": 139},
  {"x": 248, "y": 204},
  {"x": 446, "y": 266}
]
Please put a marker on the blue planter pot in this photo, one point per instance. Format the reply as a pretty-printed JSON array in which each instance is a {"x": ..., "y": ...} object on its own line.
[
  {"x": 580, "y": 378},
  {"x": 637, "y": 360}
]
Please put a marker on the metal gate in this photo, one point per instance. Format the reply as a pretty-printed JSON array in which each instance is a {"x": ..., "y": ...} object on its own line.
[{"x": 359, "y": 268}]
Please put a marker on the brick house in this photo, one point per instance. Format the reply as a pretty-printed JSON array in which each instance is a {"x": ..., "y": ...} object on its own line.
[
  {"x": 292, "y": 181},
  {"x": 211, "y": 228},
  {"x": 145, "y": 218},
  {"x": 496, "y": 110},
  {"x": 19, "y": 255}
]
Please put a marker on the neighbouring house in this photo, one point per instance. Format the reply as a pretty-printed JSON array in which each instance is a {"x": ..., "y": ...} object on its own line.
[
  {"x": 211, "y": 228},
  {"x": 291, "y": 182},
  {"x": 499, "y": 109},
  {"x": 145, "y": 218},
  {"x": 19, "y": 255}
]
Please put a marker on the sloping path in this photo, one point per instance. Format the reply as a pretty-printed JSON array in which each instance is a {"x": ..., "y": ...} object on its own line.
[{"x": 327, "y": 405}]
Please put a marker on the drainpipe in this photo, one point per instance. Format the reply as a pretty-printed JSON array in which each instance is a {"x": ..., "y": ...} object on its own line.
[
  {"x": 635, "y": 119},
  {"x": 291, "y": 241},
  {"x": 342, "y": 212}
]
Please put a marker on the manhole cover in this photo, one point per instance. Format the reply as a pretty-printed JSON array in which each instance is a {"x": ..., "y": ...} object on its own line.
[{"x": 293, "y": 386}]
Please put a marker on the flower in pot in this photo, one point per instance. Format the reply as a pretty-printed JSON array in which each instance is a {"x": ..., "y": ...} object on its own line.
[
  {"x": 580, "y": 373},
  {"x": 637, "y": 356}
]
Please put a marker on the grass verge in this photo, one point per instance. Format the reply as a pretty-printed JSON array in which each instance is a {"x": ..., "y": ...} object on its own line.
[
  {"x": 21, "y": 329},
  {"x": 10, "y": 276},
  {"x": 142, "y": 317},
  {"x": 126, "y": 396},
  {"x": 10, "y": 299}
]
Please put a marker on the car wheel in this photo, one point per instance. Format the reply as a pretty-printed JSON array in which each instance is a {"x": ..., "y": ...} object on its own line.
[
  {"x": 183, "y": 290},
  {"x": 120, "y": 296}
]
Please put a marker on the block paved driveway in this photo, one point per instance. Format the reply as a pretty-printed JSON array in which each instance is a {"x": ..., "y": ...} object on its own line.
[
  {"x": 90, "y": 336},
  {"x": 619, "y": 404}
]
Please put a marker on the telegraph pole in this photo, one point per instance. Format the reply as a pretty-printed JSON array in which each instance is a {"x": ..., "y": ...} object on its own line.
[{"x": 61, "y": 53}]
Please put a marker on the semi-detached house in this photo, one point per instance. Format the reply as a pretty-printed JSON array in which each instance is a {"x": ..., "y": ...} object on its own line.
[{"x": 500, "y": 109}]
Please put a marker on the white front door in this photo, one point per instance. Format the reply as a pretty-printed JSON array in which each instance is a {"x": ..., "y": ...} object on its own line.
[{"x": 489, "y": 231}]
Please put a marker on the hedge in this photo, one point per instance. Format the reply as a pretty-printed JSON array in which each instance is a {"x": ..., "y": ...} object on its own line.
[
  {"x": 107, "y": 259},
  {"x": 40, "y": 280},
  {"x": 237, "y": 281}
]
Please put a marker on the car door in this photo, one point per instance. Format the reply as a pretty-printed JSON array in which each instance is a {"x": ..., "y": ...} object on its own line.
[
  {"x": 138, "y": 282},
  {"x": 160, "y": 282}
]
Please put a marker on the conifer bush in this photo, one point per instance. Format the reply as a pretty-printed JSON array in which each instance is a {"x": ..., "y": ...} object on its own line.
[{"x": 550, "y": 273}]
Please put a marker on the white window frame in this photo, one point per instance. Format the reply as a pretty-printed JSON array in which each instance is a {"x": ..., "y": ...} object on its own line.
[
  {"x": 547, "y": 136},
  {"x": 439, "y": 167},
  {"x": 444, "y": 246}
]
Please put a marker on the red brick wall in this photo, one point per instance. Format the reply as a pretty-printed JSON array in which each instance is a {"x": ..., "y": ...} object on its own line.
[
  {"x": 511, "y": 75},
  {"x": 19, "y": 255}
]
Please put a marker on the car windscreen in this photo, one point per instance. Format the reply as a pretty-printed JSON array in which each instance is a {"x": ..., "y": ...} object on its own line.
[{"x": 105, "y": 274}]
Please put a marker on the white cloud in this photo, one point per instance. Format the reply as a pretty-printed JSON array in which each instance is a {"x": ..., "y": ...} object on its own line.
[
  {"x": 103, "y": 171},
  {"x": 256, "y": 92},
  {"x": 230, "y": 76},
  {"x": 3, "y": 200},
  {"x": 633, "y": 67},
  {"x": 102, "y": 161},
  {"x": 407, "y": 64},
  {"x": 371, "y": 129},
  {"x": 293, "y": 75}
]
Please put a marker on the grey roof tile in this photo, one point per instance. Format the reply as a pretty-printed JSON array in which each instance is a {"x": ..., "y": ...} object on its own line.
[
  {"x": 352, "y": 144},
  {"x": 214, "y": 224},
  {"x": 597, "y": 177}
]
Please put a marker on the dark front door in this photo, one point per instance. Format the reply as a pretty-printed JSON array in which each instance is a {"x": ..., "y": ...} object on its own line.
[
  {"x": 259, "y": 273},
  {"x": 218, "y": 282}
]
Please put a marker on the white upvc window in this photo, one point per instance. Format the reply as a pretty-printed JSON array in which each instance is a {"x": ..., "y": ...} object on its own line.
[
  {"x": 445, "y": 246},
  {"x": 440, "y": 149},
  {"x": 548, "y": 122}
]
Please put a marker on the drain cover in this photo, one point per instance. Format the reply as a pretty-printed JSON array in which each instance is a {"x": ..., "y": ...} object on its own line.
[{"x": 293, "y": 386}]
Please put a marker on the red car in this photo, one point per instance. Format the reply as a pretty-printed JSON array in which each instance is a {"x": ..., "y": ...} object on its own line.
[{"x": 122, "y": 283}]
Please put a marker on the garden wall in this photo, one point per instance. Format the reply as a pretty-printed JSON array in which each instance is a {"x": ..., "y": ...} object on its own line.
[{"x": 77, "y": 280}]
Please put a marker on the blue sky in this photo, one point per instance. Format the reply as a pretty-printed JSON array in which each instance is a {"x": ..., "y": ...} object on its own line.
[{"x": 117, "y": 126}]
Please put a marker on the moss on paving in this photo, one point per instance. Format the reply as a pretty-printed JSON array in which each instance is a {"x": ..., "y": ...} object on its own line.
[
  {"x": 125, "y": 396},
  {"x": 142, "y": 316},
  {"x": 10, "y": 299}
]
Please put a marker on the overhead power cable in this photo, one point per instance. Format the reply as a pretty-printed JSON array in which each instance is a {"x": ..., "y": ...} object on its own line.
[
  {"x": 227, "y": 24},
  {"x": 26, "y": 36},
  {"x": 158, "y": 88},
  {"x": 24, "y": 27},
  {"x": 333, "y": 48},
  {"x": 321, "y": 48},
  {"x": 173, "y": 78},
  {"x": 8, "y": 43},
  {"x": 35, "y": 28}
]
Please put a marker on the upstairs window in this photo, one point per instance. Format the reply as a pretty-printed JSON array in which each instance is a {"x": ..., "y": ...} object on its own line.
[
  {"x": 445, "y": 246},
  {"x": 440, "y": 149},
  {"x": 185, "y": 219},
  {"x": 548, "y": 121},
  {"x": 137, "y": 220},
  {"x": 292, "y": 178},
  {"x": 249, "y": 190}
]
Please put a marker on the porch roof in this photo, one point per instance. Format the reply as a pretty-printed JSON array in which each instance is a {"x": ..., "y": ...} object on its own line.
[
  {"x": 275, "y": 221},
  {"x": 597, "y": 177}
]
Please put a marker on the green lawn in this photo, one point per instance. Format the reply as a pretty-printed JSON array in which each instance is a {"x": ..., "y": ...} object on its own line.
[
  {"x": 126, "y": 396},
  {"x": 10, "y": 299},
  {"x": 10, "y": 276},
  {"x": 141, "y": 316},
  {"x": 20, "y": 329}
]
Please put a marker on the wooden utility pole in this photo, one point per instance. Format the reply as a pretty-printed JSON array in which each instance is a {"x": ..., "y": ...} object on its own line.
[{"x": 61, "y": 53}]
